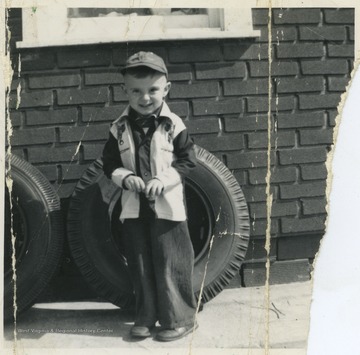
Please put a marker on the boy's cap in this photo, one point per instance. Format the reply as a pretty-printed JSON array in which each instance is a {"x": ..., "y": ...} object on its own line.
[{"x": 147, "y": 59}]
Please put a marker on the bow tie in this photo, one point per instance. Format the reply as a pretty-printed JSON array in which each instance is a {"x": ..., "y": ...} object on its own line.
[{"x": 145, "y": 122}]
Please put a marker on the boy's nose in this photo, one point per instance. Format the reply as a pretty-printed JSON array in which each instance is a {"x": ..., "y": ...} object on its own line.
[{"x": 145, "y": 97}]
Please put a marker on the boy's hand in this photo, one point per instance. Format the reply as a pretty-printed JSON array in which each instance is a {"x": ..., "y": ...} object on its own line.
[
  {"x": 154, "y": 188},
  {"x": 134, "y": 183}
]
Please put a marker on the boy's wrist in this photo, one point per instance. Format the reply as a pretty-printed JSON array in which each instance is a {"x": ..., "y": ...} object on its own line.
[{"x": 156, "y": 178}]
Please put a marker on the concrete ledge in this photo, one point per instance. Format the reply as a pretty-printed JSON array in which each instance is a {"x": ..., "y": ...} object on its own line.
[
  {"x": 254, "y": 274},
  {"x": 235, "y": 320}
]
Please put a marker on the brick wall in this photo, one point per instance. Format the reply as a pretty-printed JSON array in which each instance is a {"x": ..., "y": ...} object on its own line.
[{"x": 69, "y": 95}]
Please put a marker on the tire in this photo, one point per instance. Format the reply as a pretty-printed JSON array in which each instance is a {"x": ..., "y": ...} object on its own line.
[
  {"x": 218, "y": 223},
  {"x": 32, "y": 212}
]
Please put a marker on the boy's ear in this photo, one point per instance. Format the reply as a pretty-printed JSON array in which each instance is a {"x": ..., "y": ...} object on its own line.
[{"x": 167, "y": 88}]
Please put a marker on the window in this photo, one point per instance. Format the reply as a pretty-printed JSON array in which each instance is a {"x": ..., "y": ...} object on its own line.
[{"x": 60, "y": 25}]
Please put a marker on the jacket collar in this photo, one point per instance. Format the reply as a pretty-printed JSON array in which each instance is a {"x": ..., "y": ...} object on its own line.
[{"x": 165, "y": 112}]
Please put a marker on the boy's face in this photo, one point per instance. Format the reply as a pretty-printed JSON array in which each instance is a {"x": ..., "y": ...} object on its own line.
[{"x": 146, "y": 94}]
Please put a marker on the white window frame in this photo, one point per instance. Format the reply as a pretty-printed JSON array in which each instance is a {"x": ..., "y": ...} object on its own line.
[{"x": 50, "y": 26}]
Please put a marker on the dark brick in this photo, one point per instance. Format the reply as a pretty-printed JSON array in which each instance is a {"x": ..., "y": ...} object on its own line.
[
  {"x": 257, "y": 193},
  {"x": 84, "y": 133},
  {"x": 18, "y": 152},
  {"x": 246, "y": 87},
  {"x": 120, "y": 55},
  {"x": 278, "y": 34},
  {"x": 278, "y": 209},
  {"x": 333, "y": 114},
  {"x": 50, "y": 171},
  {"x": 298, "y": 247},
  {"x": 248, "y": 123},
  {"x": 282, "y": 139},
  {"x": 203, "y": 126},
  {"x": 245, "y": 51},
  {"x": 58, "y": 154},
  {"x": 311, "y": 224},
  {"x": 217, "y": 107},
  {"x": 300, "y": 50},
  {"x": 261, "y": 104},
  {"x": 319, "y": 101},
  {"x": 54, "y": 81},
  {"x": 80, "y": 58},
  {"x": 32, "y": 99},
  {"x": 341, "y": 50},
  {"x": 278, "y": 68},
  {"x": 179, "y": 72},
  {"x": 259, "y": 227},
  {"x": 260, "y": 16},
  {"x": 199, "y": 53},
  {"x": 93, "y": 151},
  {"x": 340, "y": 16},
  {"x": 72, "y": 171},
  {"x": 15, "y": 83},
  {"x": 329, "y": 66},
  {"x": 220, "y": 143},
  {"x": 314, "y": 206},
  {"x": 313, "y": 172},
  {"x": 102, "y": 113},
  {"x": 253, "y": 274},
  {"x": 180, "y": 108},
  {"x": 119, "y": 94},
  {"x": 291, "y": 120},
  {"x": 248, "y": 160},
  {"x": 15, "y": 26},
  {"x": 240, "y": 176},
  {"x": 286, "y": 174},
  {"x": 256, "y": 250},
  {"x": 308, "y": 189},
  {"x": 325, "y": 33},
  {"x": 296, "y": 16},
  {"x": 337, "y": 83},
  {"x": 318, "y": 136},
  {"x": 281, "y": 272},
  {"x": 51, "y": 117},
  {"x": 308, "y": 84},
  {"x": 15, "y": 118},
  {"x": 84, "y": 96},
  {"x": 33, "y": 136},
  {"x": 105, "y": 77},
  {"x": 37, "y": 60},
  {"x": 351, "y": 33},
  {"x": 302, "y": 155},
  {"x": 203, "y": 89},
  {"x": 220, "y": 70}
]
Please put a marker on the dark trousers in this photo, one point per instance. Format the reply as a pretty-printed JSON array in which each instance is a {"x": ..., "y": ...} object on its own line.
[{"x": 160, "y": 259}]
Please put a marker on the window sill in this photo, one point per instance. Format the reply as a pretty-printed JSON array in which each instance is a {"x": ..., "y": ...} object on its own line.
[{"x": 192, "y": 34}]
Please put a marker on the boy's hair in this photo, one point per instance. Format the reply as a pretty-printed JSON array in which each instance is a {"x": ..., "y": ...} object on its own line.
[{"x": 141, "y": 72}]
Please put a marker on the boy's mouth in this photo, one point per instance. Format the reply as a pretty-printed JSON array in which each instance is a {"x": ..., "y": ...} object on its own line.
[{"x": 145, "y": 106}]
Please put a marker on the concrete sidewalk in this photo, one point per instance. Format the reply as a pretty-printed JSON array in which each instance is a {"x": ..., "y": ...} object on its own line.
[{"x": 235, "y": 319}]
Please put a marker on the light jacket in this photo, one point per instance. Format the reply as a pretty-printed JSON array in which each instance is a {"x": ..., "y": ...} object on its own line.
[{"x": 170, "y": 204}]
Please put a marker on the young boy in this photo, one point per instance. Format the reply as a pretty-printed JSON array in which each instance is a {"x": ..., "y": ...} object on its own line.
[{"x": 148, "y": 154}]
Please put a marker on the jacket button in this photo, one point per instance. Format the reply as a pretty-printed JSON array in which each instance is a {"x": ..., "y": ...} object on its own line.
[{"x": 145, "y": 174}]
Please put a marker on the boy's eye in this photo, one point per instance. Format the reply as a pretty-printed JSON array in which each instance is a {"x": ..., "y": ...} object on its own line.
[{"x": 154, "y": 89}]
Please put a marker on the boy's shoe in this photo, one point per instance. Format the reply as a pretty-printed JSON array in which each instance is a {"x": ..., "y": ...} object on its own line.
[
  {"x": 139, "y": 331},
  {"x": 175, "y": 334}
]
